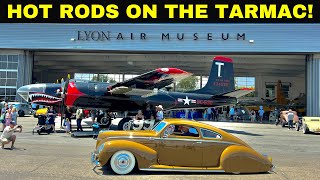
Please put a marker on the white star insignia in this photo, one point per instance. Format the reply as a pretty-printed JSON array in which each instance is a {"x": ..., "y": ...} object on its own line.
[{"x": 186, "y": 101}]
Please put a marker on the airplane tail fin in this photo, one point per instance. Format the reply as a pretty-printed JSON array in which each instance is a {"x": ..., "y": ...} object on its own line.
[{"x": 221, "y": 78}]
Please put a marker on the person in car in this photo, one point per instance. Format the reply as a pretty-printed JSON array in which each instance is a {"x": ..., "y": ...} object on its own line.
[{"x": 186, "y": 131}]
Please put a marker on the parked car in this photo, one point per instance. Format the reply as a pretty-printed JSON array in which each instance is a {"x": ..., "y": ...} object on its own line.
[
  {"x": 178, "y": 145},
  {"x": 284, "y": 118},
  {"x": 22, "y": 108},
  {"x": 309, "y": 124}
]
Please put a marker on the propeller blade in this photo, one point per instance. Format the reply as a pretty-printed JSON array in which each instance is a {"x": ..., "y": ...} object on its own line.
[{"x": 66, "y": 86}]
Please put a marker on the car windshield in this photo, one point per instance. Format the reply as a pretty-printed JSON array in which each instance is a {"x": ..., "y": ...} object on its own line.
[{"x": 159, "y": 127}]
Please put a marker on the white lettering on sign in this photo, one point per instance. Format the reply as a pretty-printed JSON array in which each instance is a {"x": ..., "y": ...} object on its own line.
[{"x": 219, "y": 64}]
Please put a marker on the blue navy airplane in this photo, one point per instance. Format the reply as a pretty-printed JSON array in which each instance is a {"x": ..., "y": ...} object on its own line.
[{"x": 136, "y": 93}]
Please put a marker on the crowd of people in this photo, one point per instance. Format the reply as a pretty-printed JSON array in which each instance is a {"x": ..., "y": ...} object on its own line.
[{"x": 149, "y": 113}]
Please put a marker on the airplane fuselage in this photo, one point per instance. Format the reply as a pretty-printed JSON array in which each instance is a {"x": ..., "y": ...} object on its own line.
[{"x": 94, "y": 95}]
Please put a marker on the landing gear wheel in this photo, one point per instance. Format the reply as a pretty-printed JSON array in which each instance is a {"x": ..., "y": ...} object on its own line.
[
  {"x": 305, "y": 129},
  {"x": 21, "y": 113},
  {"x": 124, "y": 124},
  {"x": 104, "y": 120},
  {"x": 122, "y": 162}
]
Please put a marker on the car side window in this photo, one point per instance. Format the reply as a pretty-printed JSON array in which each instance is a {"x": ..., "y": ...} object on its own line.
[
  {"x": 182, "y": 130},
  {"x": 210, "y": 134}
]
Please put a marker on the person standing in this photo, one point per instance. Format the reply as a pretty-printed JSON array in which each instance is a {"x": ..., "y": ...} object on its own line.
[
  {"x": 159, "y": 114},
  {"x": 68, "y": 114},
  {"x": 3, "y": 115},
  {"x": 209, "y": 114},
  {"x": 52, "y": 116},
  {"x": 147, "y": 112},
  {"x": 8, "y": 117},
  {"x": 93, "y": 115},
  {"x": 231, "y": 113},
  {"x": 14, "y": 116},
  {"x": 261, "y": 112},
  {"x": 79, "y": 116},
  {"x": 253, "y": 115},
  {"x": 290, "y": 119},
  {"x": 276, "y": 115}
]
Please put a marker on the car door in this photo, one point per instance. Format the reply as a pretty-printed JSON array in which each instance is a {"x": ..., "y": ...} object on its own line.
[
  {"x": 176, "y": 150},
  {"x": 213, "y": 146}
]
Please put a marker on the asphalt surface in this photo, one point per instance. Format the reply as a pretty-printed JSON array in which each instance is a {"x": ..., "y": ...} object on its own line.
[{"x": 60, "y": 156}]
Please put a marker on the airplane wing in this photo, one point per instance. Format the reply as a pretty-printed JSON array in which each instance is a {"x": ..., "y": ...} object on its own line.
[
  {"x": 157, "y": 78},
  {"x": 238, "y": 93},
  {"x": 133, "y": 91}
]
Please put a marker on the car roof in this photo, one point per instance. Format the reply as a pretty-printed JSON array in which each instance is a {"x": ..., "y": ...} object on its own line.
[
  {"x": 227, "y": 136},
  {"x": 189, "y": 122}
]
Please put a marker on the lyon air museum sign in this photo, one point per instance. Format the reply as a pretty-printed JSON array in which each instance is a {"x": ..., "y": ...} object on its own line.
[{"x": 118, "y": 36}]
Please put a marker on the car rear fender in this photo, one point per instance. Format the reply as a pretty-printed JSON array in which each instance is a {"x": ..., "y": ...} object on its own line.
[
  {"x": 243, "y": 159},
  {"x": 144, "y": 155}
]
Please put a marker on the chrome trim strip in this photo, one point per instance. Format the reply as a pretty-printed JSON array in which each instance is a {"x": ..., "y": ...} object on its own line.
[
  {"x": 195, "y": 140},
  {"x": 181, "y": 170},
  {"x": 173, "y": 139},
  {"x": 129, "y": 137}
]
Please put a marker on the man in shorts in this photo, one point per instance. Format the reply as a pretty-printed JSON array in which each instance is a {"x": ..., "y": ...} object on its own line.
[{"x": 7, "y": 134}]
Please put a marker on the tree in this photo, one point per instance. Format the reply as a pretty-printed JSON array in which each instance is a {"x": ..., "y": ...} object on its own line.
[
  {"x": 188, "y": 84},
  {"x": 103, "y": 78}
]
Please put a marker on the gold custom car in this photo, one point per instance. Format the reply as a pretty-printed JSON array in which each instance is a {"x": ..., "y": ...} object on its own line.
[
  {"x": 310, "y": 124},
  {"x": 178, "y": 145}
]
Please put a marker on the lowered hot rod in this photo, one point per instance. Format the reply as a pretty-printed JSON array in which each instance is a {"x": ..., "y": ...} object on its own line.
[{"x": 178, "y": 145}]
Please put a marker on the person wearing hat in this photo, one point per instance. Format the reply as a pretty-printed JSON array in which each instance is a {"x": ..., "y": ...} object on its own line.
[
  {"x": 159, "y": 114},
  {"x": 290, "y": 119},
  {"x": 7, "y": 134}
]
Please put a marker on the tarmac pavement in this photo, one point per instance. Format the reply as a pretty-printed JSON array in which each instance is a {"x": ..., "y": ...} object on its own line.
[{"x": 60, "y": 156}]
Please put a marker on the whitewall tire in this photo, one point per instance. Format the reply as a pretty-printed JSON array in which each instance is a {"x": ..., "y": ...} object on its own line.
[{"x": 122, "y": 162}]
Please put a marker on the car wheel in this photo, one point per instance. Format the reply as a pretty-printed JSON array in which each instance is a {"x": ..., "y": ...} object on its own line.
[
  {"x": 122, "y": 162},
  {"x": 305, "y": 129},
  {"x": 21, "y": 113},
  {"x": 124, "y": 124}
]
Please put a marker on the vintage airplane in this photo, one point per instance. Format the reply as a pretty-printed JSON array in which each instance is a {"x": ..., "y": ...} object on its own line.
[
  {"x": 136, "y": 93},
  {"x": 280, "y": 102}
]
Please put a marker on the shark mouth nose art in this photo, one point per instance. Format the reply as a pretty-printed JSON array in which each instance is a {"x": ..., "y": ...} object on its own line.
[{"x": 38, "y": 97}]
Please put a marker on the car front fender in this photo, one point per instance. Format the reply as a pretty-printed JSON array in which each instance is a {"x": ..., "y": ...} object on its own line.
[
  {"x": 241, "y": 159},
  {"x": 144, "y": 155}
]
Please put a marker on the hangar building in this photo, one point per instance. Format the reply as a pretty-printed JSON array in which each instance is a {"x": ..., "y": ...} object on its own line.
[{"x": 31, "y": 53}]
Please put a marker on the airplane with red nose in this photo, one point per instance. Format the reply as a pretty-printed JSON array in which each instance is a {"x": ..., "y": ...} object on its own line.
[{"x": 141, "y": 91}]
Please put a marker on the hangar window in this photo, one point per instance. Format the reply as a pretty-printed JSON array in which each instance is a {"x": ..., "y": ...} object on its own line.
[
  {"x": 244, "y": 82},
  {"x": 8, "y": 76},
  {"x": 99, "y": 77},
  {"x": 270, "y": 91}
]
